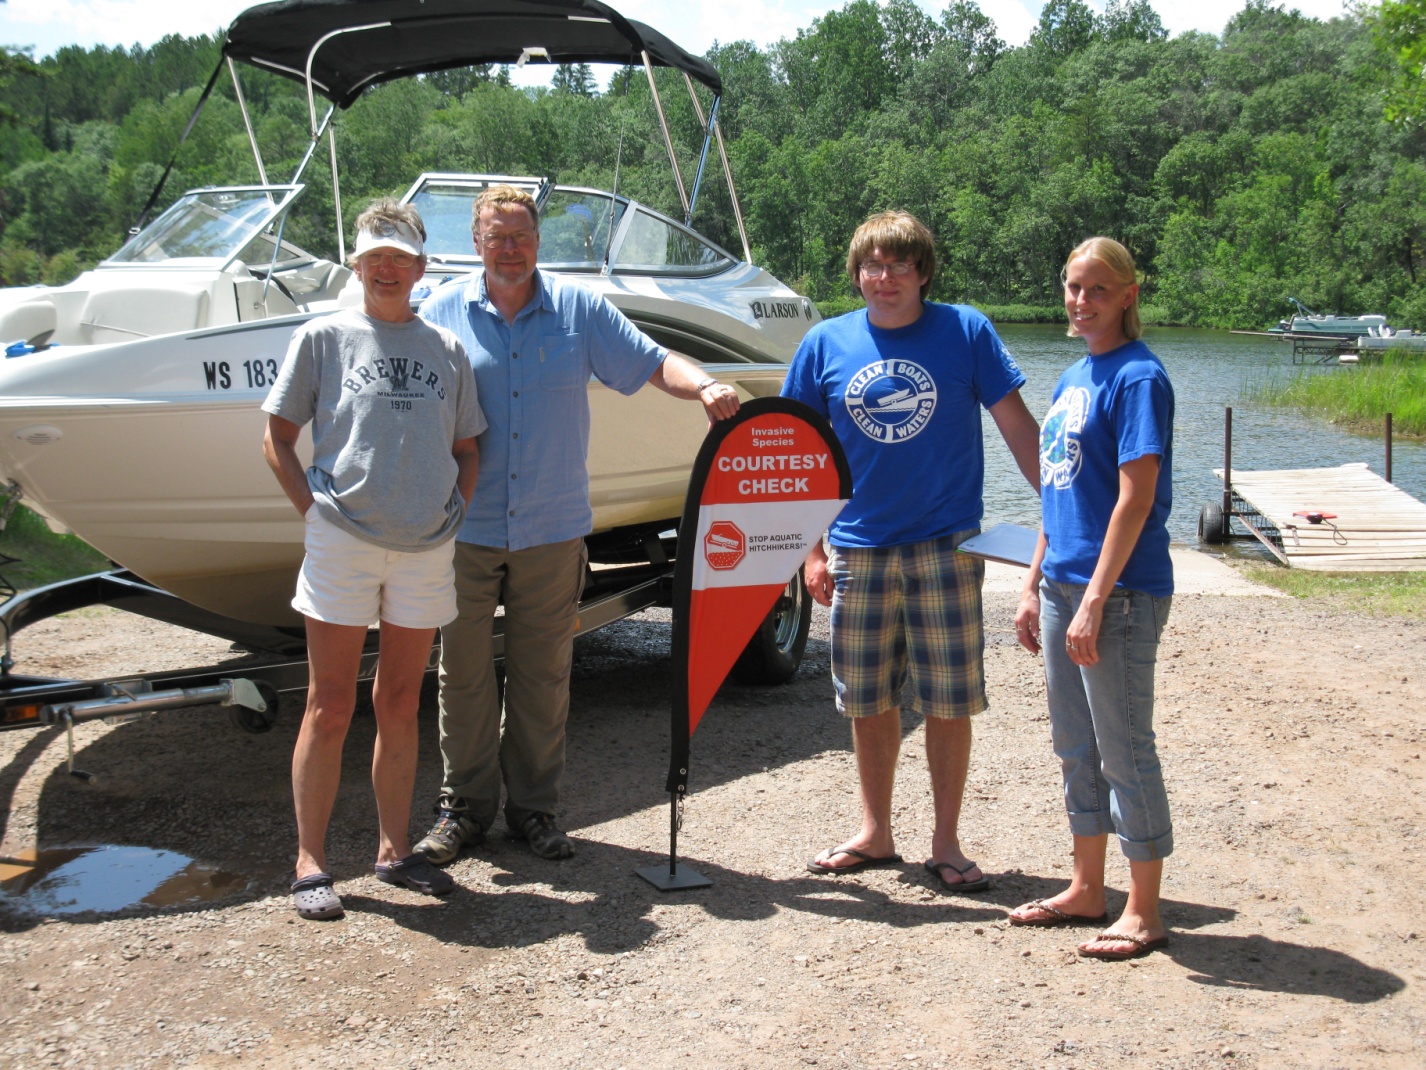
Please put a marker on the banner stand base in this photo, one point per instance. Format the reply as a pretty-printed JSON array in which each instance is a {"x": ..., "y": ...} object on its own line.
[
  {"x": 682, "y": 877},
  {"x": 673, "y": 877}
]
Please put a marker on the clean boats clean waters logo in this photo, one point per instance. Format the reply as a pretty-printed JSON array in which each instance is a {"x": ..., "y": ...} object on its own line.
[
  {"x": 1059, "y": 438},
  {"x": 891, "y": 400}
]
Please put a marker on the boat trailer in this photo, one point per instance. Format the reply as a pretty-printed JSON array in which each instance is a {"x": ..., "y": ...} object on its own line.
[{"x": 250, "y": 690}]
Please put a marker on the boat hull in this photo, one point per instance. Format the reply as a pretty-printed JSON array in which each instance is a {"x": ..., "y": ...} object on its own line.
[{"x": 157, "y": 461}]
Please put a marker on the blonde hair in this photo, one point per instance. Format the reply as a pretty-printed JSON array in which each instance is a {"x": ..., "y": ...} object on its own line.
[
  {"x": 1119, "y": 261},
  {"x": 898, "y": 234},
  {"x": 502, "y": 198}
]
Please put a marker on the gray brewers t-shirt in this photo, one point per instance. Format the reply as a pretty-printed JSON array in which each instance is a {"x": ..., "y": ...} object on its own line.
[{"x": 386, "y": 401}]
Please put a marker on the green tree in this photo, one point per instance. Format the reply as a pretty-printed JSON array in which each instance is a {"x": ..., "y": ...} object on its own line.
[
  {"x": 974, "y": 32},
  {"x": 456, "y": 82},
  {"x": 576, "y": 79},
  {"x": 1399, "y": 28},
  {"x": 1065, "y": 27},
  {"x": 1131, "y": 20}
]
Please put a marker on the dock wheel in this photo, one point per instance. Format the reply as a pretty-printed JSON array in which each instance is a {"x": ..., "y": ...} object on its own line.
[
  {"x": 775, "y": 650},
  {"x": 256, "y": 722},
  {"x": 1212, "y": 525}
]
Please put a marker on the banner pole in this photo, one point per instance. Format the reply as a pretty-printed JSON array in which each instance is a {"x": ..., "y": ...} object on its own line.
[
  {"x": 672, "y": 834},
  {"x": 740, "y": 539}
]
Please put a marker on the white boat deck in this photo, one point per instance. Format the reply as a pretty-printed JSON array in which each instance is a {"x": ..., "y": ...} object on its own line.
[{"x": 1366, "y": 525}]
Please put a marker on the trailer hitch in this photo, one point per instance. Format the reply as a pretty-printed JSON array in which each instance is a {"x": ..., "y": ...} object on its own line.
[{"x": 252, "y": 707}]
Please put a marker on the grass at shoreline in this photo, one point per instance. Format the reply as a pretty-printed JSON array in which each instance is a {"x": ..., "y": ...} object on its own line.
[
  {"x": 44, "y": 557},
  {"x": 1372, "y": 594},
  {"x": 1359, "y": 397}
]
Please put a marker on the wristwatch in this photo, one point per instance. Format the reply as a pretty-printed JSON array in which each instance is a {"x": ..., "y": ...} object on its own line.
[{"x": 705, "y": 384}]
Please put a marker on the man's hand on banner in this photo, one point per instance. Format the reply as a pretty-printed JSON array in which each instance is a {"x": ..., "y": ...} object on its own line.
[
  {"x": 818, "y": 576},
  {"x": 720, "y": 401}
]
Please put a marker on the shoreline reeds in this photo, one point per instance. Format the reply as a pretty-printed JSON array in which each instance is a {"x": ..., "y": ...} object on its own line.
[{"x": 1359, "y": 396}]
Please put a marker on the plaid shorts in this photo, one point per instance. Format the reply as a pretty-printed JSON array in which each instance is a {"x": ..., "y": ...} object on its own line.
[{"x": 908, "y": 610}]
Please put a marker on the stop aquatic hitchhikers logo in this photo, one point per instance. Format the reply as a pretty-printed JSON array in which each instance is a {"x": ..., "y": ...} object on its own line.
[
  {"x": 1060, "y": 449},
  {"x": 724, "y": 545},
  {"x": 891, "y": 400}
]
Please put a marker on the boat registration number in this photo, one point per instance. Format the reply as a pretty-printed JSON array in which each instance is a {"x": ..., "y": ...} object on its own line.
[{"x": 249, "y": 375}]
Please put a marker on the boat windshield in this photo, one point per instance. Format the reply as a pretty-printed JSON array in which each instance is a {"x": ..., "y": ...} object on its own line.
[
  {"x": 213, "y": 226},
  {"x": 444, "y": 203},
  {"x": 574, "y": 224},
  {"x": 574, "y": 228}
]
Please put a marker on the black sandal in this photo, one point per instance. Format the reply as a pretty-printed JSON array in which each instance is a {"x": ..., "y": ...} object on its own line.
[{"x": 415, "y": 872}]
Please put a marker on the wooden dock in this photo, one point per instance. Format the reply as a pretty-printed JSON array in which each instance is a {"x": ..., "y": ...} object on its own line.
[{"x": 1362, "y": 522}]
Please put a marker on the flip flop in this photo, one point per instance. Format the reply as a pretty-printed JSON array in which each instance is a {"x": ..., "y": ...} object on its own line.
[
  {"x": 866, "y": 862},
  {"x": 1056, "y": 917},
  {"x": 315, "y": 899},
  {"x": 962, "y": 886},
  {"x": 1141, "y": 947},
  {"x": 415, "y": 872}
]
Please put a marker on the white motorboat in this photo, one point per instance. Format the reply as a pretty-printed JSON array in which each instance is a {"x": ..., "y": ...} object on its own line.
[{"x": 129, "y": 409}]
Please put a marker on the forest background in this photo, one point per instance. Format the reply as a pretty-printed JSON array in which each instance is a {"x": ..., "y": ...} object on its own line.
[{"x": 1278, "y": 158}]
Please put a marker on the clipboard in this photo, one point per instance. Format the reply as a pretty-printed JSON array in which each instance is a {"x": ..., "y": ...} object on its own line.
[{"x": 1010, "y": 544}]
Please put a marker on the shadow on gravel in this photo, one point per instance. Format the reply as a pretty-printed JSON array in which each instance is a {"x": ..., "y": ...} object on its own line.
[
  {"x": 619, "y": 723},
  {"x": 1259, "y": 964},
  {"x": 617, "y": 918},
  {"x": 15, "y": 769},
  {"x": 187, "y": 781}
]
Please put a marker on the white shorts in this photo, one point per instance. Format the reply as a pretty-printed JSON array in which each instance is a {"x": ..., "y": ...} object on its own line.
[{"x": 345, "y": 580}]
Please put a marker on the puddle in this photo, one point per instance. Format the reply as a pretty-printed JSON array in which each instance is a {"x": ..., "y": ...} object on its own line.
[{"x": 68, "y": 880}]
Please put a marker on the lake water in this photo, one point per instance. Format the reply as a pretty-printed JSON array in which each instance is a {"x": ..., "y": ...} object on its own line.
[{"x": 1210, "y": 370}]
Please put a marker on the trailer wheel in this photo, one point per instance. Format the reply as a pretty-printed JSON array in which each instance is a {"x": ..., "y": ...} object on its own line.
[
  {"x": 775, "y": 650},
  {"x": 257, "y": 722},
  {"x": 1212, "y": 525}
]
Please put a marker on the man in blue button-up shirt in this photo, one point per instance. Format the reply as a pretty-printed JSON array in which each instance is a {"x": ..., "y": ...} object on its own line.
[{"x": 534, "y": 340}]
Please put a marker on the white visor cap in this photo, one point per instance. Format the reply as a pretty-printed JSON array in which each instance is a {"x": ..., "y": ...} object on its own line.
[{"x": 386, "y": 234}]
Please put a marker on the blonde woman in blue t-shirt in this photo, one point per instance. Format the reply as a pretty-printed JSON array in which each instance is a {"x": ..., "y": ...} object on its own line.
[{"x": 1097, "y": 598}]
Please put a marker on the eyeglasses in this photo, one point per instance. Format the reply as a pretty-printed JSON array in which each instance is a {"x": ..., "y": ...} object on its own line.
[
  {"x": 400, "y": 260},
  {"x": 518, "y": 238},
  {"x": 896, "y": 269}
]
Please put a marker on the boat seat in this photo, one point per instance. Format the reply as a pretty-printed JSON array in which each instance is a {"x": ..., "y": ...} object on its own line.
[
  {"x": 28, "y": 320},
  {"x": 253, "y": 303},
  {"x": 124, "y": 313}
]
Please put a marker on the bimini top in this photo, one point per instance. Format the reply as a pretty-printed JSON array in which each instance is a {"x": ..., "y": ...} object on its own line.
[{"x": 364, "y": 42}]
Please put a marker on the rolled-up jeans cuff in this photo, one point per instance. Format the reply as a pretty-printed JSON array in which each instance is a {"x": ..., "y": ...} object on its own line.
[
  {"x": 1147, "y": 850},
  {"x": 1091, "y": 823}
]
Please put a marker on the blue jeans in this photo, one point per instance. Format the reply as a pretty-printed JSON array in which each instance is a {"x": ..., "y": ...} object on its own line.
[{"x": 1102, "y": 719}]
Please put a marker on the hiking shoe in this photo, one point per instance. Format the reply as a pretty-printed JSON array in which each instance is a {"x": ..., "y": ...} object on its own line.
[
  {"x": 452, "y": 831},
  {"x": 545, "y": 840}
]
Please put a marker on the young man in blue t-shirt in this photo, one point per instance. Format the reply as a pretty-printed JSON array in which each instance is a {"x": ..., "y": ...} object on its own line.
[{"x": 902, "y": 384}]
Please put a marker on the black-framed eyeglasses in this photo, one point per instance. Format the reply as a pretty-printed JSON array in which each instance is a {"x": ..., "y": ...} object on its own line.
[{"x": 897, "y": 269}]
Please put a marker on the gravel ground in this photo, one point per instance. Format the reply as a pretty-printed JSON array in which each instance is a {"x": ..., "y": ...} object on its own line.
[{"x": 1291, "y": 738}]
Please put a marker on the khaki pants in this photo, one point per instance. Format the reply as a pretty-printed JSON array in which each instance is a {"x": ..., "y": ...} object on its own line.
[{"x": 540, "y": 588}]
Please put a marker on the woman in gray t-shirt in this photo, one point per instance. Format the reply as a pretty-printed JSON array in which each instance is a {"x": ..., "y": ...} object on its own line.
[{"x": 394, "y": 414}]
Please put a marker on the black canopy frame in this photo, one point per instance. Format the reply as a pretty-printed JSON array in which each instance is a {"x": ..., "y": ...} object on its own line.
[
  {"x": 339, "y": 48},
  {"x": 343, "y": 46}
]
